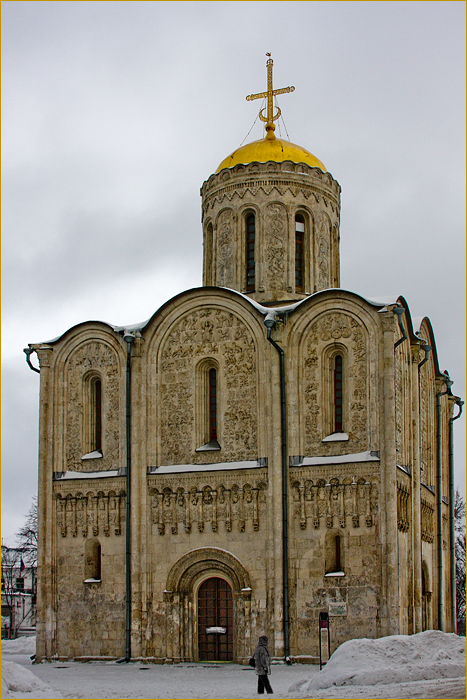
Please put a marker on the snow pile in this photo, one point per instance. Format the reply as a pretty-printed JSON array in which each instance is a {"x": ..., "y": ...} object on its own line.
[
  {"x": 397, "y": 659},
  {"x": 18, "y": 682},
  {"x": 21, "y": 645}
]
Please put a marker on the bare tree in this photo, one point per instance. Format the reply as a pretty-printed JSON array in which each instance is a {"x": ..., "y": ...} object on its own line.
[
  {"x": 27, "y": 535},
  {"x": 459, "y": 524}
]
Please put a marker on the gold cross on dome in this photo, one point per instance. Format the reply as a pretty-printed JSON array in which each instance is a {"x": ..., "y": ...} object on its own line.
[{"x": 270, "y": 117}]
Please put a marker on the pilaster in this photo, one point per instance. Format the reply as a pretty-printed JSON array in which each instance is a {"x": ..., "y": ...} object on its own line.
[
  {"x": 416, "y": 495},
  {"x": 45, "y": 646},
  {"x": 389, "y": 532}
]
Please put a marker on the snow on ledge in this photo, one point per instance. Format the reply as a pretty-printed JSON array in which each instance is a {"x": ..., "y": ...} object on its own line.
[
  {"x": 368, "y": 456},
  {"x": 336, "y": 437},
  {"x": 213, "y": 467},
  {"x": 96, "y": 454},
  {"x": 84, "y": 475}
]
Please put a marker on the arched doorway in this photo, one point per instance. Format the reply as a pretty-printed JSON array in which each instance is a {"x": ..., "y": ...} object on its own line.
[
  {"x": 215, "y": 620},
  {"x": 181, "y": 597}
]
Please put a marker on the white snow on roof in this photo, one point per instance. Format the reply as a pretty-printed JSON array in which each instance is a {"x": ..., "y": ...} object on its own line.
[
  {"x": 368, "y": 456},
  {"x": 219, "y": 466},
  {"x": 287, "y": 308}
]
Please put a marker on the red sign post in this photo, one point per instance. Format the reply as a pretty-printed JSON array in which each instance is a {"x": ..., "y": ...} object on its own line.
[{"x": 324, "y": 639}]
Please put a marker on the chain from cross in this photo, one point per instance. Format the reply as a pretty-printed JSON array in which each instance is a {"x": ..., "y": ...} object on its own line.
[{"x": 269, "y": 94}]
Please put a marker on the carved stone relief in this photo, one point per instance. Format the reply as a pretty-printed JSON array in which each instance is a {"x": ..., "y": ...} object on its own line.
[
  {"x": 275, "y": 234},
  {"x": 225, "y": 249},
  {"x": 323, "y": 238},
  {"x": 335, "y": 503},
  {"x": 218, "y": 334},
  {"x": 403, "y": 507},
  {"x": 428, "y": 531},
  {"x": 185, "y": 504},
  {"x": 97, "y": 356},
  {"x": 92, "y": 513},
  {"x": 341, "y": 327}
]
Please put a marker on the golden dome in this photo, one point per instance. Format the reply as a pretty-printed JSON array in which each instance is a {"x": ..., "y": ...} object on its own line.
[{"x": 273, "y": 149}]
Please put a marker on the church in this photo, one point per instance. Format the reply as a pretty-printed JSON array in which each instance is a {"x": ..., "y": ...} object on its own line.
[{"x": 265, "y": 448}]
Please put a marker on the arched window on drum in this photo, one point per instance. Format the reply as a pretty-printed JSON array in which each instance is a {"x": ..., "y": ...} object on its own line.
[
  {"x": 299, "y": 253},
  {"x": 250, "y": 237}
]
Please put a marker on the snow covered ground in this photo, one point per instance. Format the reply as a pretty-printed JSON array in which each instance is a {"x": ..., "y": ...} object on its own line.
[{"x": 427, "y": 665}]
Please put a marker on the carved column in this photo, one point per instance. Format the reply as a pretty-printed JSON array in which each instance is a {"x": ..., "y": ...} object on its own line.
[
  {"x": 228, "y": 510},
  {"x": 341, "y": 506},
  {"x": 315, "y": 491},
  {"x": 301, "y": 496},
  {"x": 214, "y": 511},
  {"x": 255, "y": 509},
  {"x": 241, "y": 510}
]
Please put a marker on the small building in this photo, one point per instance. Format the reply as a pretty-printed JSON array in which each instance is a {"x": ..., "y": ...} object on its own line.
[
  {"x": 264, "y": 448},
  {"x": 19, "y": 588}
]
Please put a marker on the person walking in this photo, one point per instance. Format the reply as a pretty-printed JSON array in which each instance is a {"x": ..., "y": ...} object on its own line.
[{"x": 263, "y": 665}]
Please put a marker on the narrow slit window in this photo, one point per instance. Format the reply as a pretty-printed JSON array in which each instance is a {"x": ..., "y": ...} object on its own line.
[
  {"x": 338, "y": 394},
  {"x": 299, "y": 252},
  {"x": 92, "y": 561},
  {"x": 250, "y": 252},
  {"x": 98, "y": 415},
  {"x": 338, "y": 553},
  {"x": 212, "y": 404}
]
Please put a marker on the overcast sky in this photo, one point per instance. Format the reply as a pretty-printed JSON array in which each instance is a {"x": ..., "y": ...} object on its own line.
[{"x": 114, "y": 113}]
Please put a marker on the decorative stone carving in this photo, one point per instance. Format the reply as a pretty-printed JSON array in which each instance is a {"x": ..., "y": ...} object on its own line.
[
  {"x": 331, "y": 502},
  {"x": 275, "y": 238},
  {"x": 210, "y": 333},
  {"x": 428, "y": 531},
  {"x": 94, "y": 355},
  {"x": 403, "y": 507},
  {"x": 323, "y": 237},
  {"x": 318, "y": 399},
  {"x": 94, "y": 511},
  {"x": 225, "y": 249},
  {"x": 208, "y": 504}
]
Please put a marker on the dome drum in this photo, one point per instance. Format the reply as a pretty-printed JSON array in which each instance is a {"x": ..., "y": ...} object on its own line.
[{"x": 271, "y": 230}]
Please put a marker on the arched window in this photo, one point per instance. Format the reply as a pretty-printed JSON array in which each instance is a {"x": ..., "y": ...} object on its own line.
[
  {"x": 250, "y": 252},
  {"x": 299, "y": 253},
  {"x": 92, "y": 565},
  {"x": 207, "y": 405},
  {"x": 212, "y": 404},
  {"x": 338, "y": 394},
  {"x": 97, "y": 387},
  {"x": 333, "y": 554},
  {"x": 92, "y": 417}
]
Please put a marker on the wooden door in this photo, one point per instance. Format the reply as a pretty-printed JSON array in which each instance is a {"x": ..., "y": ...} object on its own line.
[{"x": 215, "y": 610}]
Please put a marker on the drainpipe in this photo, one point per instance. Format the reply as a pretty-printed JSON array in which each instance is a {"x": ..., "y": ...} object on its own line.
[
  {"x": 128, "y": 338},
  {"x": 28, "y": 352},
  {"x": 400, "y": 311},
  {"x": 269, "y": 322},
  {"x": 439, "y": 504},
  {"x": 452, "y": 528}
]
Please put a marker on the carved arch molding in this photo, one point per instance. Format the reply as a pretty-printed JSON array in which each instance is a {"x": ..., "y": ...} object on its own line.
[
  {"x": 186, "y": 570},
  {"x": 181, "y": 606}
]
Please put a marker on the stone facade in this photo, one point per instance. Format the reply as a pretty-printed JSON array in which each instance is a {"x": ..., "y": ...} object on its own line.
[{"x": 367, "y": 504}]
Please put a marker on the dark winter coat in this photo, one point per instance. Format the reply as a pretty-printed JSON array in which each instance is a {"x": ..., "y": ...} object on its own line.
[{"x": 262, "y": 658}]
